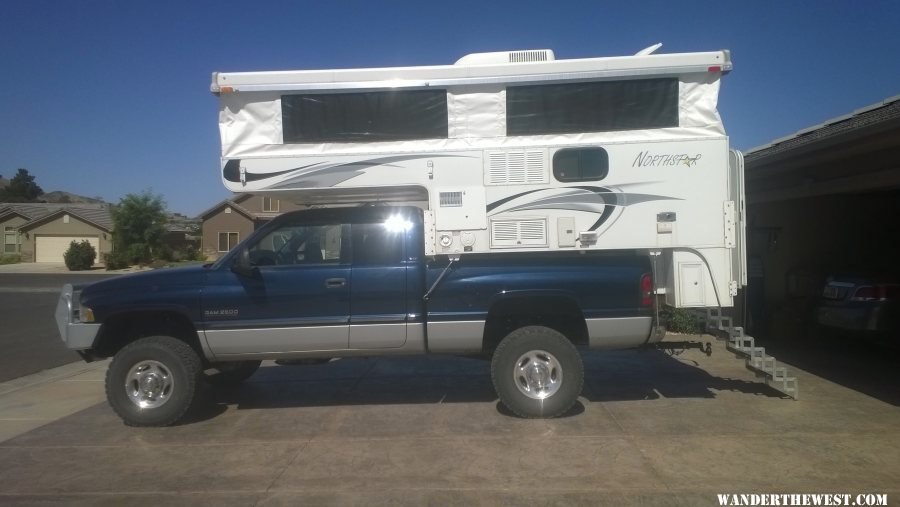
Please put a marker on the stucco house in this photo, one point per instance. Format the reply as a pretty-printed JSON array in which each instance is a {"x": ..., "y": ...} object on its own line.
[
  {"x": 232, "y": 220},
  {"x": 42, "y": 232}
]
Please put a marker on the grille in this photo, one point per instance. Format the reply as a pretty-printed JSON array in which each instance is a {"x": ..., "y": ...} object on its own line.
[
  {"x": 528, "y": 56},
  {"x": 518, "y": 233},
  {"x": 516, "y": 167},
  {"x": 451, "y": 199}
]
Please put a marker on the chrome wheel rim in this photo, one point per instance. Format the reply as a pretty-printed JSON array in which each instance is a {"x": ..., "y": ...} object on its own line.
[
  {"x": 149, "y": 384},
  {"x": 538, "y": 374}
]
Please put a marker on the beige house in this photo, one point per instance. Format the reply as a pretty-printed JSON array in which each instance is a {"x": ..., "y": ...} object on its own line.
[
  {"x": 230, "y": 221},
  {"x": 42, "y": 232}
]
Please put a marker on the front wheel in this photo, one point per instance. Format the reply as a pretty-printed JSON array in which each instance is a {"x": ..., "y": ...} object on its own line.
[
  {"x": 537, "y": 372},
  {"x": 152, "y": 381}
]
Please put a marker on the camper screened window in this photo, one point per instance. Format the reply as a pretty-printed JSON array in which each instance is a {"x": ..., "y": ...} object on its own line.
[
  {"x": 592, "y": 106},
  {"x": 395, "y": 115}
]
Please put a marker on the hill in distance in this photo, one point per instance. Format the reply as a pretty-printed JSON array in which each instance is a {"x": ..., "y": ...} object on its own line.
[{"x": 60, "y": 197}]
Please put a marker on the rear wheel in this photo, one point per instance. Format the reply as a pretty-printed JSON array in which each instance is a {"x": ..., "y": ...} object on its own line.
[
  {"x": 231, "y": 373},
  {"x": 537, "y": 372},
  {"x": 152, "y": 381}
]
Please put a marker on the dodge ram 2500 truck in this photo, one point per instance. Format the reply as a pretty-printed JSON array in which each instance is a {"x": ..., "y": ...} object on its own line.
[{"x": 356, "y": 282}]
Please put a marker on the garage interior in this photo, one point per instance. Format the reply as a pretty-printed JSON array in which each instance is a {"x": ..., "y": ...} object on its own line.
[{"x": 823, "y": 202}]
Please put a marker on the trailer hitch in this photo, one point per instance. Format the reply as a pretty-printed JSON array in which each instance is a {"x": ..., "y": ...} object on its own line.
[{"x": 676, "y": 348}]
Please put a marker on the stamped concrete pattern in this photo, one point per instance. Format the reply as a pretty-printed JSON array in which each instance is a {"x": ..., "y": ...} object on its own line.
[{"x": 650, "y": 429}]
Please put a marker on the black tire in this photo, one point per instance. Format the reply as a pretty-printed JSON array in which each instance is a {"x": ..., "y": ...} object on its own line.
[
  {"x": 163, "y": 357},
  {"x": 231, "y": 373},
  {"x": 553, "y": 351}
]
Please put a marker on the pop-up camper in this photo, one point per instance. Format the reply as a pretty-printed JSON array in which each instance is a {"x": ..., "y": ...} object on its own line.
[{"x": 511, "y": 151}]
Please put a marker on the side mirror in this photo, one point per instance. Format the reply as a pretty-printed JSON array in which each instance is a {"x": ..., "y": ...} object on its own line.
[{"x": 242, "y": 265}]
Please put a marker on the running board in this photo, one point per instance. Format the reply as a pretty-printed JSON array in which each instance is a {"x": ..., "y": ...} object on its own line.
[{"x": 758, "y": 361}]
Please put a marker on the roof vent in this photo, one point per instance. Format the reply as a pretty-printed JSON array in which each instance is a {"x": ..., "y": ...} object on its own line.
[{"x": 530, "y": 55}]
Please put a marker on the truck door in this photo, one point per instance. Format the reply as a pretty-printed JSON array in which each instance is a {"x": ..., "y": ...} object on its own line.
[
  {"x": 297, "y": 300},
  {"x": 378, "y": 297}
]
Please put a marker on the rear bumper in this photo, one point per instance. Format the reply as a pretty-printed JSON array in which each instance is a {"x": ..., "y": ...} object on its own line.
[
  {"x": 76, "y": 335},
  {"x": 849, "y": 318}
]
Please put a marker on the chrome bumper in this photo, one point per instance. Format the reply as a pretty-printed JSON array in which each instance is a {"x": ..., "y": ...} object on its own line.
[{"x": 76, "y": 335}]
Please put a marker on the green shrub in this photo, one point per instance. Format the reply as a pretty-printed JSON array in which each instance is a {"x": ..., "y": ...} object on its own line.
[
  {"x": 189, "y": 253},
  {"x": 116, "y": 260},
  {"x": 166, "y": 253},
  {"x": 138, "y": 253},
  {"x": 10, "y": 258},
  {"x": 680, "y": 320},
  {"x": 80, "y": 256}
]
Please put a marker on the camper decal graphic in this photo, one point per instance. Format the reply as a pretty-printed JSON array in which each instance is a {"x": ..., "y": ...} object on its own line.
[
  {"x": 647, "y": 159},
  {"x": 318, "y": 175},
  {"x": 605, "y": 202}
]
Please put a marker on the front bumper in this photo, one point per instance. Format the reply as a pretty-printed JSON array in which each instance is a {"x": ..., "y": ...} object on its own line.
[{"x": 76, "y": 335}]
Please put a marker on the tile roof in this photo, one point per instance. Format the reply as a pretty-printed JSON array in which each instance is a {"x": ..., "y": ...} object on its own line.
[{"x": 98, "y": 214}]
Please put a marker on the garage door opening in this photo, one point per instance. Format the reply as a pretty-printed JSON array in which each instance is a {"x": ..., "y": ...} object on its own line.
[{"x": 53, "y": 248}]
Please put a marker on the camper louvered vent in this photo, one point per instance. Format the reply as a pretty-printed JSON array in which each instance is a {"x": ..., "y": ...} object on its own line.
[
  {"x": 529, "y": 56},
  {"x": 516, "y": 167},
  {"x": 518, "y": 233},
  {"x": 501, "y": 57},
  {"x": 451, "y": 199}
]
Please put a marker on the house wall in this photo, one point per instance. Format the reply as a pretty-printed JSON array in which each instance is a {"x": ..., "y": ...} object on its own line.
[
  {"x": 223, "y": 222},
  {"x": 254, "y": 204},
  {"x": 58, "y": 227}
]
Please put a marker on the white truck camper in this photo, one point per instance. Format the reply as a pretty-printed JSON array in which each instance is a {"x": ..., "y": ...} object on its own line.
[{"x": 512, "y": 151}]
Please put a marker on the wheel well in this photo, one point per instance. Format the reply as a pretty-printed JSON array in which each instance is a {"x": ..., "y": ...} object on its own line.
[
  {"x": 120, "y": 330},
  {"x": 556, "y": 312}
]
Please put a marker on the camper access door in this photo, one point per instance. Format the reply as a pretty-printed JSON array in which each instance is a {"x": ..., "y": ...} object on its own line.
[{"x": 710, "y": 276}]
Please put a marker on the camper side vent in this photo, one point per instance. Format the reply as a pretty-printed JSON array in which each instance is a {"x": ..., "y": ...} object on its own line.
[
  {"x": 516, "y": 167},
  {"x": 451, "y": 199},
  {"x": 518, "y": 233}
]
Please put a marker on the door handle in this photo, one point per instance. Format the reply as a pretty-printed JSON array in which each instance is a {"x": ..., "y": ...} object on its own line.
[{"x": 334, "y": 283}]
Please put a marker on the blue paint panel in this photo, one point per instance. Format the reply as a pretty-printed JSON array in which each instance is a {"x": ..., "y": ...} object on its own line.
[
  {"x": 287, "y": 296},
  {"x": 602, "y": 285}
]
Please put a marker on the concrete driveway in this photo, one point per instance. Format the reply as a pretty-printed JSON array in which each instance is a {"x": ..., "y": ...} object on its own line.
[{"x": 650, "y": 429}]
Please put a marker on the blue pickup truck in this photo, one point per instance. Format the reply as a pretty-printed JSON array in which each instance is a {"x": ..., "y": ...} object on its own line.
[{"x": 344, "y": 282}]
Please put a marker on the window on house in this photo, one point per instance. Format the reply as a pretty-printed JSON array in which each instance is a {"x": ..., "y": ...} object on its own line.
[
  {"x": 364, "y": 117},
  {"x": 600, "y": 106},
  {"x": 228, "y": 240},
  {"x": 270, "y": 205},
  {"x": 10, "y": 240}
]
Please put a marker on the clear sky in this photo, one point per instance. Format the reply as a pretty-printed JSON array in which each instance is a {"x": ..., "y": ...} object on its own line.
[{"x": 105, "y": 98}]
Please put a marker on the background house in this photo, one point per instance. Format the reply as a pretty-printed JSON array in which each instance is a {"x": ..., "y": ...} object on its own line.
[
  {"x": 42, "y": 232},
  {"x": 232, "y": 220},
  {"x": 182, "y": 233}
]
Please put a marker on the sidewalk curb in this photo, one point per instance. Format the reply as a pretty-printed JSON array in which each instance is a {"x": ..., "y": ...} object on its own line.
[{"x": 49, "y": 376}]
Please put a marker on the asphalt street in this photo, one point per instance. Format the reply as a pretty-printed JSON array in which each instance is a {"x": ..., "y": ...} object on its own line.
[{"x": 28, "y": 336}]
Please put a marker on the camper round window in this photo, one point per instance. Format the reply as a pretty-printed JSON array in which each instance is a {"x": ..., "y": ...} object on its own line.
[{"x": 580, "y": 164}]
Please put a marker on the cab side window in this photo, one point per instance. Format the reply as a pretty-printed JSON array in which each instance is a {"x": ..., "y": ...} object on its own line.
[
  {"x": 376, "y": 245},
  {"x": 298, "y": 244}
]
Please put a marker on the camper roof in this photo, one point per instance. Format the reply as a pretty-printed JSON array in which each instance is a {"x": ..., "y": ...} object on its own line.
[{"x": 479, "y": 68}]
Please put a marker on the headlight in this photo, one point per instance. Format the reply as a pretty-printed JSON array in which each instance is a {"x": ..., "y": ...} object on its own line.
[{"x": 86, "y": 314}]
